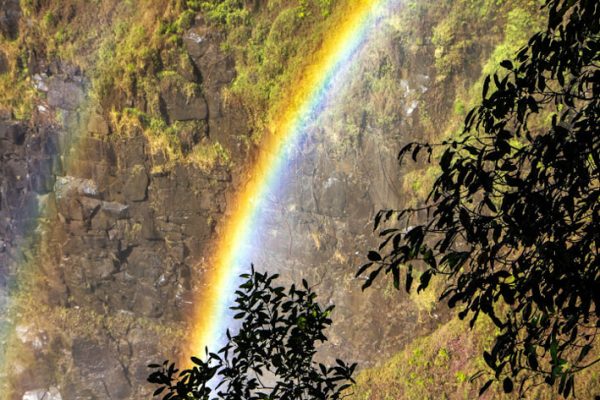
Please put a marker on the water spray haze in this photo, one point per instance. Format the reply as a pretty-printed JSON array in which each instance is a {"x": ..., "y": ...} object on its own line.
[{"x": 317, "y": 86}]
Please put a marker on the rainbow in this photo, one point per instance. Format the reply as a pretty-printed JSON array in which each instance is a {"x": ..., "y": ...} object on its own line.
[{"x": 315, "y": 88}]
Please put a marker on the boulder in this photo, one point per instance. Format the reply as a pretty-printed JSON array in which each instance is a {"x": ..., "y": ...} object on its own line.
[
  {"x": 137, "y": 184},
  {"x": 204, "y": 48},
  {"x": 181, "y": 106},
  {"x": 67, "y": 185},
  {"x": 43, "y": 394},
  {"x": 102, "y": 222},
  {"x": 115, "y": 210},
  {"x": 89, "y": 207},
  {"x": 102, "y": 268},
  {"x": 146, "y": 263},
  {"x": 10, "y": 13},
  {"x": 64, "y": 94},
  {"x": 196, "y": 43},
  {"x": 69, "y": 192}
]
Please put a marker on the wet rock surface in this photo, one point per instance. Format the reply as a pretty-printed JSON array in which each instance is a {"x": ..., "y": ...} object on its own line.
[
  {"x": 64, "y": 94},
  {"x": 125, "y": 243}
]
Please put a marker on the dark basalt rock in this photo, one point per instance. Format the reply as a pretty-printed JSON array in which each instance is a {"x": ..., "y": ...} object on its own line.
[
  {"x": 334, "y": 196},
  {"x": 99, "y": 364},
  {"x": 4, "y": 64},
  {"x": 127, "y": 238},
  {"x": 196, "y": 42},
  {"x": 180, "y": 106},
  {"x": 115, "y": 210},
  {"x": 136, "y": 184},
  {"x": 64, "y": 94},
  {"x": 13, "y": 131},
  {"x": 10, "y": 14}
]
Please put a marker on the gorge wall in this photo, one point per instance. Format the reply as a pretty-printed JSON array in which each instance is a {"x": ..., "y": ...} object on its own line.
[{"x": 114, "y": 188}]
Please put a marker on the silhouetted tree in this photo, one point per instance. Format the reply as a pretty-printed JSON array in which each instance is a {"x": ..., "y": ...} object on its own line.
[
  {"x": 513, "y": 218},
  {"x": 270, "y": 357}
]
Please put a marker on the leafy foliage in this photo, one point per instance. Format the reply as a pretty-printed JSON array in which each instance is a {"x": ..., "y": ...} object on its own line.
[
  {"x": 271, "y": 43},
  {"x": 513, "y": 218},
  {"x": 271, "y": 356}
]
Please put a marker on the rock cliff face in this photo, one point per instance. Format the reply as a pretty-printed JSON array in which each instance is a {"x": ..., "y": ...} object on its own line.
[
  {"x": 102, "y": 246},
  {"x": 107, "y": 243}
]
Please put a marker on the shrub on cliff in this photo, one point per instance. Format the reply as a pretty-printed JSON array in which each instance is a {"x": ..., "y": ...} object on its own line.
[
  {"x": 271, "y": 355},
  {"x": 514, "y": 216}
]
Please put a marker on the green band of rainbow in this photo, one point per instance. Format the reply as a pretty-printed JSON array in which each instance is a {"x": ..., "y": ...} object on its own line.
[{"x": 315, "y": 89}]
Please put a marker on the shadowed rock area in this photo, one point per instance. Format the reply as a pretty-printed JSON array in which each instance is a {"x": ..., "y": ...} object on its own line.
[{"x": 119, "y": 239}]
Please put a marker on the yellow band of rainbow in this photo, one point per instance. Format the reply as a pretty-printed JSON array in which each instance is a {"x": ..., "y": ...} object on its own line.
[{"x": 310, "y": 95}]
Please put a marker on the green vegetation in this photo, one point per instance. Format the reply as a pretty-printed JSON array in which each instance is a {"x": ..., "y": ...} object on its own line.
[
  {"x": 165, "y": 140},
  {"x": 521, "y": 21},
  {"x": 440, "y": 366},
  {"x": 125, "y": 57},
  {"x": 128, "y": 58},
  {"x": 460, "y": 32},
  {"x": 453, "y": 37},
  {"x": 511, "y": 218},
  {"x": 435, "y": 367},
  {"x": 270, "y": 45},
  {"x": 205, "y": 156}
]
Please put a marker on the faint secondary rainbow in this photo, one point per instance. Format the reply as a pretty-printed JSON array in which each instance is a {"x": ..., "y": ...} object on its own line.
[{"x": 312, "y": 92}]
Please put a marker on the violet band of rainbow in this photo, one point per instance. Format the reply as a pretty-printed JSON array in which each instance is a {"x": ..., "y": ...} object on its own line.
[{"x": 314, "y": 90}]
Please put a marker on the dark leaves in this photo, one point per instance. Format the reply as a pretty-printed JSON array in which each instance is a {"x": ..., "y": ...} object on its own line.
[
  {"x": 374, "y": 256},
  {"x": 513, "y": 217},
  {"x": 486, "y": 86},
  {"x": 507, "y": 385},
  {"x": 485, "y": 387},
  {"x": 507, "y": 64},
  {"x": 278, "y": 334}
]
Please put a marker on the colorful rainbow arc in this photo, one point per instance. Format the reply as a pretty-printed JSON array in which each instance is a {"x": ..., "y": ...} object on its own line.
[{"x": 314, "y": 90}]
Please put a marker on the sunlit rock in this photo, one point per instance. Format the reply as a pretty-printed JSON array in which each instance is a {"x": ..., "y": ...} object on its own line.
[{"x": 42, "y": 394}]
